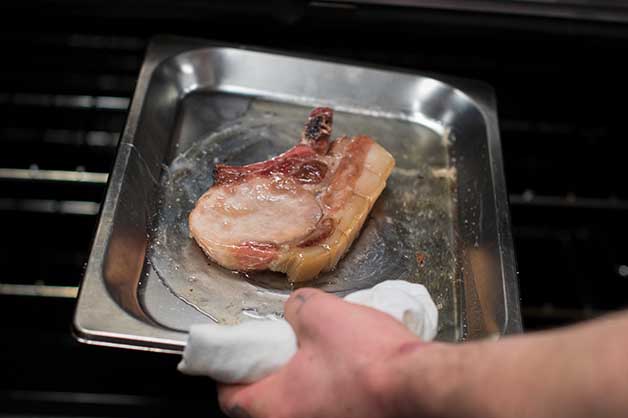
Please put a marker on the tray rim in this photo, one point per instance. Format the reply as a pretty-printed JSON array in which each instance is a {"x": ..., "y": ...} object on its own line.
[{"x": 134, "y": 333}]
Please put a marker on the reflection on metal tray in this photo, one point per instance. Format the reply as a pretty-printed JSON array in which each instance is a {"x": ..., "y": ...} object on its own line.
[{"x": 442, "y": 220}]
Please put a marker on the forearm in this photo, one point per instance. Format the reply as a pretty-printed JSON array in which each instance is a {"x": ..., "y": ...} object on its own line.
[{"x": 578, "y": 371}]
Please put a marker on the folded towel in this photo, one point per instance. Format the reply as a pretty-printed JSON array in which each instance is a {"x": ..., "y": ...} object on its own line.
[
  {"x": 409, "y": 303},
  {"x": 253, "y": 349}
]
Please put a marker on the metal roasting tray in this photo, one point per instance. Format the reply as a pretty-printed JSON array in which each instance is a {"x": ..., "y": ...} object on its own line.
[{"x": 441, "y": 221}]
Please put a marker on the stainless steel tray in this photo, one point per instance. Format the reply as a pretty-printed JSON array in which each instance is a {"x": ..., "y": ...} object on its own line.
[{"x": 442, "y": 221}]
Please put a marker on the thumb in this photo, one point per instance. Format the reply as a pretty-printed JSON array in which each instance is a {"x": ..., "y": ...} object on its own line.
[{"x": 305, "y": 311}]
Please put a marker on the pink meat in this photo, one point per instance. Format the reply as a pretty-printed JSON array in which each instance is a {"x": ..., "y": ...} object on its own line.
[{"x": 296, "y": 213}]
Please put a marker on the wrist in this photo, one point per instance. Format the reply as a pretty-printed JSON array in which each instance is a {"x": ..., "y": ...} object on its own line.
[
  {"x": 414, "y": 381},
  {"x": 436, "y": 380},
  {"x": 385, "y": 383}
]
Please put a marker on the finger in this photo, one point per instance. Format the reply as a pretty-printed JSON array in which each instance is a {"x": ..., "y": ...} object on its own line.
[
  {"x": 239, "y": 401},
  {"x": 228, "y": 399},
  {"x": 302, "y": 304},
  {"x": 297, "y": 301},
  {"x": 313, "y": 314},
  {"x": 256, "y": 400}
]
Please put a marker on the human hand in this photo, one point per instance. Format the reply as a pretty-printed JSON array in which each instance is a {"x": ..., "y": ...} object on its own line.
[
  {"x": 340, "y": 369},
  {"x": 354, "y": 361}
]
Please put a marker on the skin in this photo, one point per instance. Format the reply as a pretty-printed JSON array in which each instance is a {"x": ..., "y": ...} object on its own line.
[{"x": 354, "y": 361}]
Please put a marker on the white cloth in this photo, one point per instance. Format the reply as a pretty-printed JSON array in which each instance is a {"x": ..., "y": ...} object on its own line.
[
  {"x": 251, "y": 350},
  {"x": 240, "y": 353},
  {"x": 409, "y": 303}
]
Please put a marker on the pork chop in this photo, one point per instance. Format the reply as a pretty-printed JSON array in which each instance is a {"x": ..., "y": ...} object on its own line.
[{"x": 296, "y": 213}]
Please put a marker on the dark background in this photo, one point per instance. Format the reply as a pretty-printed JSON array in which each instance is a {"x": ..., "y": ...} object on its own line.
[{"x": 68, "y": 71}]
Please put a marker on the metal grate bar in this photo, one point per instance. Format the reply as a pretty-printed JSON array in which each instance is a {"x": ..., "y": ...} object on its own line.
[
  {"x": 66, "y": 100},
  {"x": 568, "y": 201},
  {"x": 52, "y": 175},
  {"x": 38, "y": 290},
  {"x": 65, "y": 207}
]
